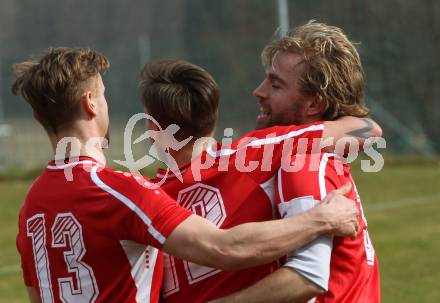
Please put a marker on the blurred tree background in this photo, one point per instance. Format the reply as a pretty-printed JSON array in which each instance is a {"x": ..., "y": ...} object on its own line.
[{"x": 399, "y": 43}]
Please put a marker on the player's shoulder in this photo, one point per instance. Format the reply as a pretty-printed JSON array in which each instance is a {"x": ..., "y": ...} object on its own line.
[
  {"x": 170, "y": 180},
  {"x": 117, "y": 179},
  {"x": 311, "y": 164},
  {"x": 37, "y": 185},
  {"x": 307, "y": 174}
]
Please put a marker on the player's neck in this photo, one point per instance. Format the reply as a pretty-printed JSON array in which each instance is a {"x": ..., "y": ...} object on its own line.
[
  {"x": 78, "y": 141},
  {"x": 189, "y": 152},
  {"x": 310, "y": 119}
]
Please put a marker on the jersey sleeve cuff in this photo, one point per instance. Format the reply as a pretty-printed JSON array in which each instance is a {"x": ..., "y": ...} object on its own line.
[
  {"x": 312, "y": 261},
  {"x": 169, "y": 219}
]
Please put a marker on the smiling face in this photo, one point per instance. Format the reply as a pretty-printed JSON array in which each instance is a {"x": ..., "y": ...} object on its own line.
[{"x": 279, "y": 95}]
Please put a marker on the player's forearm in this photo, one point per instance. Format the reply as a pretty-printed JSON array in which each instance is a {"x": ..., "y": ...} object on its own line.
[
  {"x": 284, "y": 285},
  {"x": 246, "y": 245},
  {"x": 256, "y": 243},
  {"x": 358, "y": 129},
  {"x": 198, "y": 240}
]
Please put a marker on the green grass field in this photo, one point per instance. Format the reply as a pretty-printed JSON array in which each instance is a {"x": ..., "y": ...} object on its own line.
[{"x": 402, "y": 205}]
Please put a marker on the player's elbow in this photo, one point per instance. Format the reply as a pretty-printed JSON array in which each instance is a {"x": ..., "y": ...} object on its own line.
[
  {"x": 311, "y": 290},
  {"x": 315, "y": 290}
]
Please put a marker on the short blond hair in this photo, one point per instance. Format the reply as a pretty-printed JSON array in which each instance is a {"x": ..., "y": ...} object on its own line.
[
  {"x": 333, "y": 70},
  {"x": 53, "y": 85}
]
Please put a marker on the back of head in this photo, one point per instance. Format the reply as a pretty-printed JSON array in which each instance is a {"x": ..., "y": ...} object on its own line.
[
  {"x": 54, "y": 84},
  {"x": 333, "y": 70},
  {"x": 178, "y": 92}
]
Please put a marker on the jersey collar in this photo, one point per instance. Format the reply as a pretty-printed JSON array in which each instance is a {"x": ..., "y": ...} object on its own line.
[
  {"x": 62, "y": 164},
  {"x": 169, "y": 174}
]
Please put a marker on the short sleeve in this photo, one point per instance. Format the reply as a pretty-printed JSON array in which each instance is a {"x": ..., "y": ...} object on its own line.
[
  {"x": 138, "y": 210},
  {"x": 298, "y": 192},
  {"x": 166, "y": 213},
  {"x": 311, "y": 175}
]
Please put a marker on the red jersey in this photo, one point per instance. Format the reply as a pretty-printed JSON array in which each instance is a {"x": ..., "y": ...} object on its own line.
[
  {"x": 85, "y": 236},
  {"x": 346, "y": 268},
  {"x": 230, "y": 193}
]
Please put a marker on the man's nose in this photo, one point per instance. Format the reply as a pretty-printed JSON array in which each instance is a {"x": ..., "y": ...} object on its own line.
[{"x": 259, "y": 92}]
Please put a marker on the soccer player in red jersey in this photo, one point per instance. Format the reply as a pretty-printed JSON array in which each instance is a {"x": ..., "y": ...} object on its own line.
[
  {"x": 237, "y": 187},
  {"x": 87, "y": 232},
  {"x": 315, "y": 73}
]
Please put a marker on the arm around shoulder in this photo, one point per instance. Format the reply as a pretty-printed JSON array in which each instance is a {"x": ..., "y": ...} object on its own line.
[
  {"x": 198, "y": 240},
  {"x": 351, "y": 128}
]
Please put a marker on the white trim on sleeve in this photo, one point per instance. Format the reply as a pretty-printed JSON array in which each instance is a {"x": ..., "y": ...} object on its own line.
[{"x": 312, "y": 261}]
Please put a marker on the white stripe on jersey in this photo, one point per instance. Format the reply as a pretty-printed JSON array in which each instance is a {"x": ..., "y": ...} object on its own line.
[
  {"x": 280, "y": 187},
  {"x": 220, "y": 153},
  {"x": 269, "y": 189},
  {"x": 169, "y": 174},
  {"x": 265, "y": 141},
  {"x": 156, "y": 234},
  {"x": 294, "y": 133},
  {"x": 322, "y": 167},
  {"x": 311, "y": 261},
  {"x": 142, "y": 275}
]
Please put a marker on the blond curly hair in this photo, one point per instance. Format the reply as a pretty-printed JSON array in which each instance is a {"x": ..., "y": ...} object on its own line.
[{"x": 333, "y": 70}]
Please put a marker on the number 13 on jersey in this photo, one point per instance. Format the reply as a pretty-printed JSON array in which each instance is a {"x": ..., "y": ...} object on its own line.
[{"x": 66, "y": 232}]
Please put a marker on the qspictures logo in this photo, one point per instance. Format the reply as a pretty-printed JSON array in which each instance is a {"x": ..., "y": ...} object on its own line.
[{"x": 287, "y": 151}]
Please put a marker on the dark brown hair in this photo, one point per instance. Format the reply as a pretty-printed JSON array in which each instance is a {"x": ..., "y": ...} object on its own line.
[{"x": 178, "y": 92}]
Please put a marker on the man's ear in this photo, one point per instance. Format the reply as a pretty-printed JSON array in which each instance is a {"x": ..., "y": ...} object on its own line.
[
  {"x": 316, "y": 106},
  {"x": 88, "y": 105}
]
